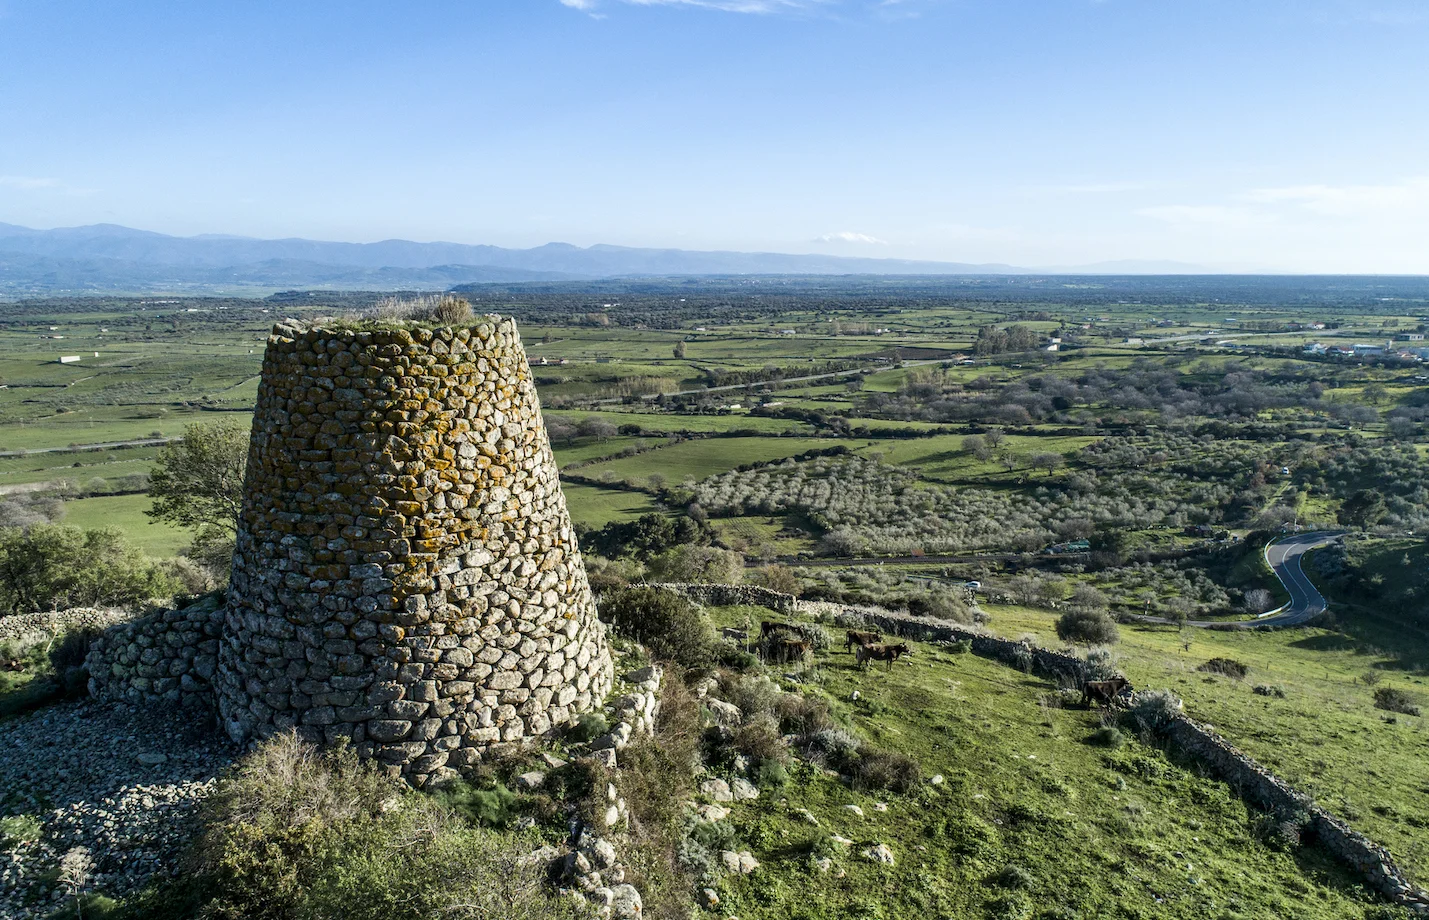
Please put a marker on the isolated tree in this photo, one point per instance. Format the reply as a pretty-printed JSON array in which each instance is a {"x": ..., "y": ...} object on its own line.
[
  {"x": 1258, "y": 600},
  {"x": 594, "y": 427},
  {"x": 1087, "y": 627},
  {"x": 679, "y": 349},
  {"x": 197, "y": 482},
  {"x": 1048, "y": 460},
  {"x": 699, "y": 564},
  {"x": 779, "y": 578}
]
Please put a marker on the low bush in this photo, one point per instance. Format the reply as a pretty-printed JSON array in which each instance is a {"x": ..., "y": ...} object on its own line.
[
  {"x": 671, "y": 627},
  {"x": 891, "y": 770},
  {"x": 802, "y": 715},
  {"x": 492, "y": 806},
  {"x": 1154, "y": 710},
  {"x": 961, "y": 646},
  {"x": 590, "y": 727},
  {"x": 1392, "y": 699},
  {"x": 1108, "y": 736},
  {"x": 1100, "y": 664},
  {"x": 67, "y": 659},
  {"x": 1268, "y": 690},
  {"x": 292, "y": 832},
  {"x": 1281, "y": 832},
  {"x": 772, "y": 774},
  {"x": 1087, "y": 627},
  {"x": 1013, "y": 877},
  {"x": 759, "y": 739},
  {"x": 831, "y": 746},
  {"x": 1227, "y": 666}
]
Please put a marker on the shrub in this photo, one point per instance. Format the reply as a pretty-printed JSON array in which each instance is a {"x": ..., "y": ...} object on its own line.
[
  {"x": 752, "y": 693},
  {"x": 889, "y": 770},
  {"x": 452, "y": 311},
  {"x": 1022, "y": 657},
  {"x": 17, "y": 829},
  {"x": 1281, "y": 832},
  {"x": 759, "y": 740},
  {"x": 1268, "y": 690},
  {"x": 1227, "y": 666},
  {"x": 1087, "y": 627},
  {"x": 1108, "y": 736},
  {"x": 590, "y": 727},
  {"x": 813, "y": 633},
  {"x": 1154, "y": 710},
  {"x": 1100, "y": 664},
  {"x": 67, "y": 658},
  {"x": 50, "y": 566},
  {"x": 802, "y": 715},
  {"x": 1392, "y": 699},
  {"x": 772, "y": 774},
  {"x": 960, "y": 646},
  {"x": 1013, "y": 877},
  {"x": 664, "y": 622},
  {"x": 493, "y": 806},
  {"x": 292, "y": 832},
  {"x": 832, "y": 746}
]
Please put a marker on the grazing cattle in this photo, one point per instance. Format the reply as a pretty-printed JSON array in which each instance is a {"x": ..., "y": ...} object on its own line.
[
  {"x": 857, "y": 637},
  {"x": 783, "y": 649},
  {"x": 767, "y": 629},
  {"x": 729, "y": 632},
  {"x": 888, "y": 653},
  {"x": 1104, "y": 691}
]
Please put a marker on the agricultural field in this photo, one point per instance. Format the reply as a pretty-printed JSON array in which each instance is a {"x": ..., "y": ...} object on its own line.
[{"x": 883, "y": 443}]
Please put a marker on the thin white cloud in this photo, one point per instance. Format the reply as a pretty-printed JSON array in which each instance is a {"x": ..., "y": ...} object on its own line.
[
  {"x": 1207, "y": 215},
  {"x": 848, "y": 236},
  {"x": 29, "y": 182},
  {"x": 1406, "y": 197}
]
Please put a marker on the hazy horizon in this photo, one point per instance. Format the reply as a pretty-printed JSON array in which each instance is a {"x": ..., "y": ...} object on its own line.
[{"x": 1271, "y": 137}]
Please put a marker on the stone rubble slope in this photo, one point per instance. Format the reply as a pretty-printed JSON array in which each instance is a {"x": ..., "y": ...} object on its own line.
[{"x": 120, "y": 782}]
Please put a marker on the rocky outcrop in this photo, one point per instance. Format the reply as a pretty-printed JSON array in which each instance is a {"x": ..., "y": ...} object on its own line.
[
  {"x": 168, "y": 656},
  {"x": 406, "y": 574}
]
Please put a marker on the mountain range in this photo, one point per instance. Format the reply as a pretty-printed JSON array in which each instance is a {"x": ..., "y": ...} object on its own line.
[{"x": 108, "y": 257}]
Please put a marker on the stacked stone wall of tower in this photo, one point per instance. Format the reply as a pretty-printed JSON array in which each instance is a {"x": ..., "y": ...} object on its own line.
[{"x": 406, "y": 576}]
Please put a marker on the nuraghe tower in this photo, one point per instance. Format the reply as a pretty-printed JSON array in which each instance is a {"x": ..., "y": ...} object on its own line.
[{"x": 406, "y": 576}]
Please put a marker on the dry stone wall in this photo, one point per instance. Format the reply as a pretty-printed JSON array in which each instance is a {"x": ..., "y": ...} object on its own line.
[
  {"x": 406, "y": 575},
  {"x": 168, "y": 656}
]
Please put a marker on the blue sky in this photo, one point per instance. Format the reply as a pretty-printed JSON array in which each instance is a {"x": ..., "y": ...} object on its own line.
[{"x": 1285, "y": 134}]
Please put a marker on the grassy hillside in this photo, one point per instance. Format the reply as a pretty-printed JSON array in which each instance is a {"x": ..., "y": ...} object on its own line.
[{"x": 1032, "y": 819}]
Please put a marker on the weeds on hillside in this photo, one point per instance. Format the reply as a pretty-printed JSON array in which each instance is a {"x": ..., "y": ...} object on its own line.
[{"x": 294, "y": 832}]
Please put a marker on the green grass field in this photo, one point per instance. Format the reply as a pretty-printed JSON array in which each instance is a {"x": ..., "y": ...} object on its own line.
[
  {"x": 1090, "y": 831},
  {"x": 596, "y": 507},
  {"x": 126, "y": 513},
  {"x": 1324, "y": 736},
  {"x": 703, "y": 457}
]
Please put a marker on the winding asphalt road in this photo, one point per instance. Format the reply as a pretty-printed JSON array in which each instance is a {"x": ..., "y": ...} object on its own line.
[{"x": 1285, "y": 556}]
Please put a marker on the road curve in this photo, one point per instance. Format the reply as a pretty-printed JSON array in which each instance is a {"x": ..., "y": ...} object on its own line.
[{"x": 1285, "y": 557}]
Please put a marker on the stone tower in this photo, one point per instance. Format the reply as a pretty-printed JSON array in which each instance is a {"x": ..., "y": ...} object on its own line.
[{"x": 406, "y": 575}]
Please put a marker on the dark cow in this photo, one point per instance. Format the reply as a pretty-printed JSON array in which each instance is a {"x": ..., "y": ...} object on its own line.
[
  {"x": 857, "y": 637},
  {"x": 1104, "y": 691},
  {"x": 783, "y": 649},
  {"x": 888, "y": 653},
  {"x": 768, "y": 628}
]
